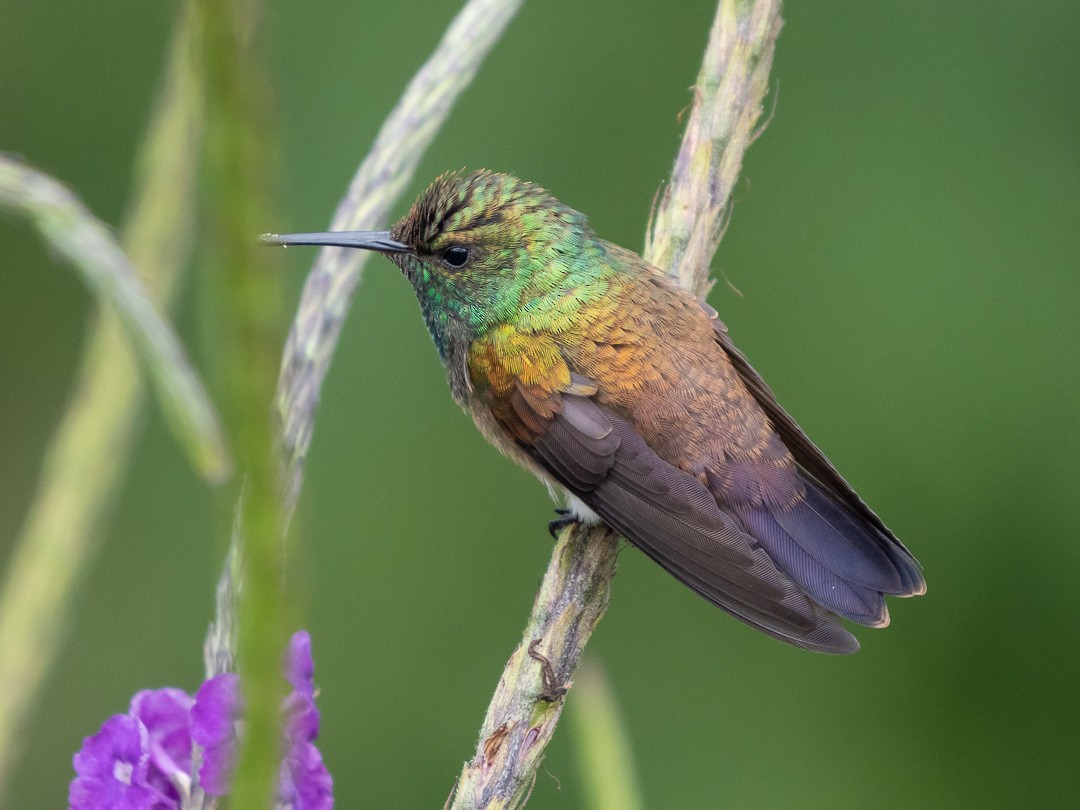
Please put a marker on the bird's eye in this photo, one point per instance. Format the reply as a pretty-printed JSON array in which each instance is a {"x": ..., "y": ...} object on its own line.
[{"x": 456, "y": 256}]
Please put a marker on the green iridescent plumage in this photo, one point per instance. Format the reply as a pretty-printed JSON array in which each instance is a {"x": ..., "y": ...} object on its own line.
[
  {"x": 505, "y": 280},
  {"x": 589, "y": 367}
]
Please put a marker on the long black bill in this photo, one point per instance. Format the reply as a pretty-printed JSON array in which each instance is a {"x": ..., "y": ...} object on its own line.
[{"x": 380, "y": 241}]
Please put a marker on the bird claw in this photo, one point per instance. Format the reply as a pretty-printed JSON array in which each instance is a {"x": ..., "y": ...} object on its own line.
[{"x": 565, "y": 519}]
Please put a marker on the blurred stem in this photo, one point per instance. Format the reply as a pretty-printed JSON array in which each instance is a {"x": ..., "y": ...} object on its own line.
[
  {"x": 220, "y": 644},
  {"x": 377, "y": 185},
  {"x": 90, "y": 449},
  {"x": 88, "y": 245},
  {"x": 606, "y": 761},
  {"x": 687, "y": 229},
  {"x": 245, "y": 282}
]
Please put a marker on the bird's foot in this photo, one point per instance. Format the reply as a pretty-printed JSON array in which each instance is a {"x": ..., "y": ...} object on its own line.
[{"x": 565, "y": 518}]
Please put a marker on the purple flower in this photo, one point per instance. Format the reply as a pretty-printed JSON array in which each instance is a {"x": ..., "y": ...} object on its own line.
[
  {"x": 142, "y": 760},
  {"x": 112, "y": 769},
  {"x": 213, "y": 727},
  {"x": 303, "y": 781},
  {"x": 166, "y": 714},
  {"x": 302, "y": 718},
  {"x": 299, "y": 666}
]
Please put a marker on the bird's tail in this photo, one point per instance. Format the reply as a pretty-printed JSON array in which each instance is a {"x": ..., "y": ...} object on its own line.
[{"x": 843, "y": 561}]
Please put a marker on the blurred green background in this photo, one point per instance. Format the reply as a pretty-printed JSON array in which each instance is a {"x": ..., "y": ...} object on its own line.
[{"x": 906, "y": 240}]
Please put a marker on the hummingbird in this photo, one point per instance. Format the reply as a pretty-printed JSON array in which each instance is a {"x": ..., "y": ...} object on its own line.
[{"x": 599, "y": 374}]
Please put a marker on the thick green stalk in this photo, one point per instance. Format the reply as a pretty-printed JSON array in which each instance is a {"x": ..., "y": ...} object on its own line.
[
  {"x": 245, "y": 286},
  {"x": 687, "y": 229},
  {"x": 87, "y": 456},
  {"x": 377, "y": 185}
]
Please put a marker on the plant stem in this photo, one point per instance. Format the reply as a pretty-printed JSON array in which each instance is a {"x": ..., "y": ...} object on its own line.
[
  {"x": 687, "y": 229},
  {"x": 689, "y": 222},
  {"x": 377, "y": 185},
  {"x": 327, "y": 294},
  {"x": 528, "y": 701},
  {"x": 245, "y": 285}
]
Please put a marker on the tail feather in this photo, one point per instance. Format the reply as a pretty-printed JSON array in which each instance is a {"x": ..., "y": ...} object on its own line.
[
  {"x": 845, "y": 563},
  {"x": 853, "y": 545},
  {"x": 806, "y": 568}
]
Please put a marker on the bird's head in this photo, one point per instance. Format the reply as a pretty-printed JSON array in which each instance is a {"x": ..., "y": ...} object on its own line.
[{"x": 476, "y": 247}]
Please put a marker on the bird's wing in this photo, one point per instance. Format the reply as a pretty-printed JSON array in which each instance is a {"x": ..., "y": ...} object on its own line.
[
  {"x": 597, "y": 455},
  {"x": 821, "y": 470}
]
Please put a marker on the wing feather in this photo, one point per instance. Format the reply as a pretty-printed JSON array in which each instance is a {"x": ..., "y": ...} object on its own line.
[
  {"x": 667, "y": 513},
  {"x": 833, "y": 524}
]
